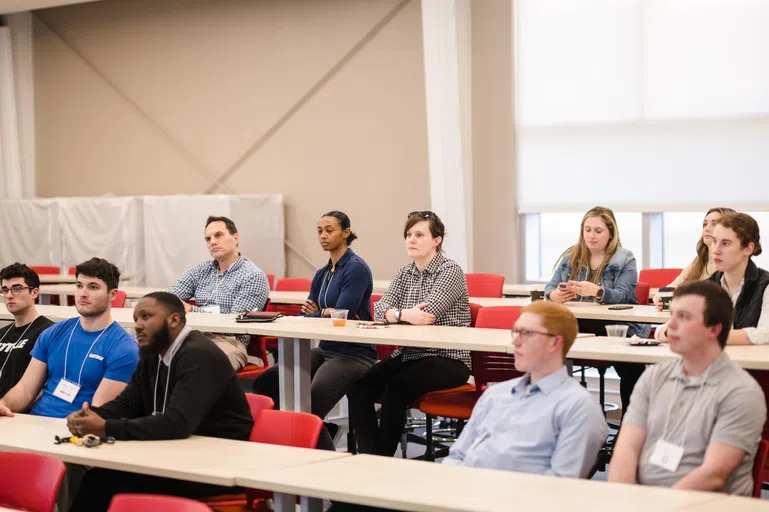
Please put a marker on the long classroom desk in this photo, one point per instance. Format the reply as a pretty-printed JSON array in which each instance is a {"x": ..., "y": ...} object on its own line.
[
  {"x": 198, "y": 459},
  {"x": 316, "y": 474},
  {"x": 404, "y": 484},
  {"x": 602, "y": 348}
]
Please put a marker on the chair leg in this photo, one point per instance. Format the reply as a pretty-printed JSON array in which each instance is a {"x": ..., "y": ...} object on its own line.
[
  {"x": 352, "y": 442},
  {"x": 602, "y": 389},
  {"x": 429, "y": 449},
  {"x": 582, "y": 379}
]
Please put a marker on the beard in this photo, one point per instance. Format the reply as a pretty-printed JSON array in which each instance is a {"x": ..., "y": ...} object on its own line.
[{"x": 159, "y": 342}]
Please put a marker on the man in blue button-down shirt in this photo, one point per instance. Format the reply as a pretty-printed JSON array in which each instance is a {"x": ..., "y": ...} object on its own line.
[{"x": 543, "y": 422}]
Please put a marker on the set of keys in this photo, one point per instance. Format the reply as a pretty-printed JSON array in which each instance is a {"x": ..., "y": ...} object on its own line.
[{"x": 89, "y": 440}]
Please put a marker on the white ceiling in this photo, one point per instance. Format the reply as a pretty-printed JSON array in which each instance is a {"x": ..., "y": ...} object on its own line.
[{"x": 9, "y": 6}]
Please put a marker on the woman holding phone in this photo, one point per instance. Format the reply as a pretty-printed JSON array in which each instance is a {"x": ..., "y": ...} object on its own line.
[
  {"x": 703, "y": 265},
  {"x": 345, "y": 282},
  {"x": 597, "y": 269},
  {"x": 430, "y": 290}
]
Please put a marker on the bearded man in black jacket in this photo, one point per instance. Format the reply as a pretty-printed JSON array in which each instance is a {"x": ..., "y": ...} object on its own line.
[{"x": 184, "y": 385}]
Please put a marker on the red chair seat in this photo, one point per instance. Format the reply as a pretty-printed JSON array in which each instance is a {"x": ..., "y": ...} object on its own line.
[
  {"x": 251, "y": 371},
  {"x": 455, "y": 405}
]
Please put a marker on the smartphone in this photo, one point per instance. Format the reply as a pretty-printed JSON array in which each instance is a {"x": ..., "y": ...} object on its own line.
[
  {"x": 617, "y": 308},
  {"x": 562, "y": 286}
]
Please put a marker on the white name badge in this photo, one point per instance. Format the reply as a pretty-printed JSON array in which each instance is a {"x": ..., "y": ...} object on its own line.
[
  {"x": 667, "y": 455},
  {"x": 66, "y": 390},
  {"x": 212, "y": 308}
]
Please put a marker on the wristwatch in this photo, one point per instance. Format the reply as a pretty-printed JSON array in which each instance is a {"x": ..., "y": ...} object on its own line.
[
  {"x": 599, "y": 294},
  {"x": 397, "y": 315}
]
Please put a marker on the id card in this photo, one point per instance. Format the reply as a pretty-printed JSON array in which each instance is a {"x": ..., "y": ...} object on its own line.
[
  {"x": 667, "y": 455},
  {"x": 66, "y": 390},
  {"x": 212, "y": 308}
]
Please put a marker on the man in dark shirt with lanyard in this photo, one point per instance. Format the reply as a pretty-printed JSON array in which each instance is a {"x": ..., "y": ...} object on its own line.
[
  {"x": 19, "y": 286},
  {"x": 184, "y": 385}
]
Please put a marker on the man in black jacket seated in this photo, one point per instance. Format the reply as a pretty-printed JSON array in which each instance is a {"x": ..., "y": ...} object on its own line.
[{"x": 184, "y": 385}]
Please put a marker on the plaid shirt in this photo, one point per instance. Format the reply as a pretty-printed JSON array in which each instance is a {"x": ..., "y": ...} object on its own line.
[
  {"x": 242, "y": 287},
  {"x": 443, "y": 285}
]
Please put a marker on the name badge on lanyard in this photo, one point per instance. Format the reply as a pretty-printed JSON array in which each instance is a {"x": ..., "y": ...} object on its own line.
[
  {"x": 66, "y": 390},
  {"x": 667, "y": 455}
]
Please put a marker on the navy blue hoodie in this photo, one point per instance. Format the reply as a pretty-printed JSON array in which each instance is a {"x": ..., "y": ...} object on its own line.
[{"x": 348, "y": 287}]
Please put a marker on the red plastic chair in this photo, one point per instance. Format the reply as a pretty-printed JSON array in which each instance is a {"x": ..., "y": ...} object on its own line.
[
  {"x": 46, "y": 269},
  {"x": 119, "y": 300},
  {"x": 642, "y": 290},
  {"x": 259, "y": 403},
  {"x": 257, "y": 347},
  {"x": 759, "y": 467},
  {"x": 487, "y": 367},
  {"x": 284, "y": 428},
  {"x": 474, "y": 309},
  {"x": 30, "y": 481},
  {"x": 658, "y": 277},
  {"x": 155, "y": 503},
  {"x": 72, "y": 271},
  {"x": 271, "y": 280},
  {"x": 485, "y": 285}
]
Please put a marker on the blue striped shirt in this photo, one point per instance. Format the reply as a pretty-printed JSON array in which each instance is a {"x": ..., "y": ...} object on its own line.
[{"x": 242, "y": 287}]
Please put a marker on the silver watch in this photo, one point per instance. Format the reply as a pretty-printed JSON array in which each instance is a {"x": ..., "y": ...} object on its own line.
[{"x": 397, "y": 315}]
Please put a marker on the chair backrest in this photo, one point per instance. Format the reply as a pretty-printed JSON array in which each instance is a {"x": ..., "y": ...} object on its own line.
[
  {"x": 642, "y": 293},
  {"x": 271, "y": 280},
  {"x": 759, "y": 467},
  {"x": 293, "y": 284},
  {"x": 287, "y": 428},
  {"x": 498, "y": 317},
  {"x": 30, "y": 481},
  {"x": 259, "y": 403},
  {"x": 485, "y": 285},
  {"x": 658, "y": 277},
  {"x": 474, "y": 309},
  {"x": 382, "y": 350},
  {"x": 375, "y": 297},
  {"x": 155, "y": 503},
  {"x": 72, "y": 271},
  {"x": 493, "y": 366},
  {"x": 119, "y": 300},
  {"x": 46, "y": 269}
]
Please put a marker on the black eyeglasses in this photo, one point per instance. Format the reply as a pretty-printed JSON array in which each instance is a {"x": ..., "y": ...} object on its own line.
[
  {"x": 13, "y": 290},
  {"x": 426, "y": 214},
  {"x": 526, "y": 334}
]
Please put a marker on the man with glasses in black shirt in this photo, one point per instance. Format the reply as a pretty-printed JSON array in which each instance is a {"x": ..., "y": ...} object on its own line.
[{"x": 19, "y": 286}]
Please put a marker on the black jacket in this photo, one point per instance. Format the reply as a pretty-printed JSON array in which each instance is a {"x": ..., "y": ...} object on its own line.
[
  {"x": 747, "y": 311},
  {"x": 204, "y": 397}
]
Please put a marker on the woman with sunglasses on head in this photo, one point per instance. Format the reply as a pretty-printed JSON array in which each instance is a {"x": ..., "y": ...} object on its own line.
[
  {"x": 431, "y": 290},
  {"x": 736, "y": 238},
  {"x": 345, "y": 282},
  {"x": 703, "y": 265},
  {"x": 598, "y": 269}
]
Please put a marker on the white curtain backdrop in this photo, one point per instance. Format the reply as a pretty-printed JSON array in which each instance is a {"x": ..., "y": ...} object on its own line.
[
  {"x": 29, "y": 231},
  {"x": 17, "y": 151},
  {"x": 174, "y": 229},
  {"x": 106, "y": 227},
  {"x": 154, "y": 238}
]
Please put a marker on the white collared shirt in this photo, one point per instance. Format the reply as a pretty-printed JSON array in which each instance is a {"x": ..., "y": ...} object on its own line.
[
  {"x": 758, "y": 335},
  {"x": 169, "y": 355}
]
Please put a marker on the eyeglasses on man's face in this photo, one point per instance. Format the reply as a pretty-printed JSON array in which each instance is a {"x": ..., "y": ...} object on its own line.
[
  {"x": 526, "y": 334},
  {"x": 13, "y": 290}
]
